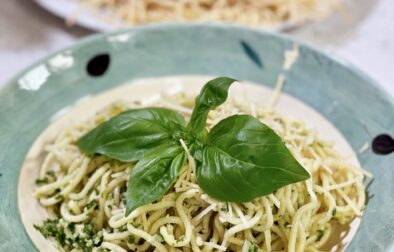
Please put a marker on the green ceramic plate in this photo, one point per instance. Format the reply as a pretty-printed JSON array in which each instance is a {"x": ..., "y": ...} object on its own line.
[{"x": 358, "y": 108}]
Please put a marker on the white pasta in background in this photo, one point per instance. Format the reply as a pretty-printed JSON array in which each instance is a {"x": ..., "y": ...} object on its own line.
[
  {"x": 263, "y": 13},
  {"x": 87, "y": 195}
]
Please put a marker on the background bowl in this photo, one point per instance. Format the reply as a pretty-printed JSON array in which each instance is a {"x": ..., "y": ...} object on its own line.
[
  {"x": 91, "y": 17},
  {"x": 351, "y": 101}
]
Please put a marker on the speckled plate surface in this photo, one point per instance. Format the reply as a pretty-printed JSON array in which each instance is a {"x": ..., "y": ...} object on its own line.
[{"x": 357, "y": 107}]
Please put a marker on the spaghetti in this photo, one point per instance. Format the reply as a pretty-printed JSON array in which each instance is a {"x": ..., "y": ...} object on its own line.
[
  {"x": 264, "y": 13},
  {"x": 85, "y": 196}
]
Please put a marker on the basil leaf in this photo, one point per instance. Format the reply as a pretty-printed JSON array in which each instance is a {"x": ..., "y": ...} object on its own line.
[
  {"x": 213, "y": 94},
  {"x": 153, "y": 175},
  {"x": 245, "y": 159},
  {"x": 127, "y": 136}
]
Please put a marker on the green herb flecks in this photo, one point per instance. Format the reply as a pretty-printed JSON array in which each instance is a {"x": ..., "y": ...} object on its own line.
[
  {"x": 66, "y": 236},
  {"x": 92, "y": 204},
  {"x": 249, "y": 247},
  {"x": 131, "y": 239},
  {"x": 122, "y": 228},
  {"x": 319, "y": 235},
  {"x": 42, "y": 181},
  {"x": 334, "y": 212}
]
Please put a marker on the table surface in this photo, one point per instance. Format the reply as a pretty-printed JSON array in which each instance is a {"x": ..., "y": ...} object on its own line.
[{"x": 364, "y": 37}]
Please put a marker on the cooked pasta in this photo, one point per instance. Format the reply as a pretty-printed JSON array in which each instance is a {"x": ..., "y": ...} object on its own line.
[
  {"x": 264, "y": 13},
  {"x": 85, "y": 195}
]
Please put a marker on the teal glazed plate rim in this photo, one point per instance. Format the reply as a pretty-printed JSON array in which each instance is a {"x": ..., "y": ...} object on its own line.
[{"x": 361, "y": 111}]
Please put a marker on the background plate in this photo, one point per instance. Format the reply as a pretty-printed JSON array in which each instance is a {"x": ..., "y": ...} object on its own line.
[
  {"x": 70, "y": 8},
  {"x": 96, "y": 20},
  {"x": 351, "y": 101}
]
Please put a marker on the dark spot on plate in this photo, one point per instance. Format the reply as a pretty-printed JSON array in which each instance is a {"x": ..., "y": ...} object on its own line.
[
  {"x": 252, "y": 54},
  {"x": 98, "y": 65},
  {"x": 383, "y": 144}
]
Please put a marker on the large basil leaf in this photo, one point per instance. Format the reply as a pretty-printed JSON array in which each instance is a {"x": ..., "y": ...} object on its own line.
[
  {"x": 127, "y": 136},
  {"x": 153, "y": 175},
  {"x": 245, "y": 159},
  {"x": 213, "y": 94}
]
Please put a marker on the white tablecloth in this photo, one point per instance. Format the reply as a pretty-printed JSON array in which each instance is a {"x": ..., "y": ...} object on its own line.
[{"x": 366, "y": 39}]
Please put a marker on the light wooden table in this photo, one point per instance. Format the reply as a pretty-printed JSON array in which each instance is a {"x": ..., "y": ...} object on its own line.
[{"x": 365, "y": 37}]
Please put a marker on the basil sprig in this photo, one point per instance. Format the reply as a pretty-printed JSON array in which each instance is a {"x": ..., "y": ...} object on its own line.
[{"x": 238, "y": 160}]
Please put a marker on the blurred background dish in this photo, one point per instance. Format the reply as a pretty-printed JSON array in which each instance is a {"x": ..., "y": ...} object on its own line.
[
  {"x": 105, "y": 15},
  {"x": 76, "y": 15}
]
